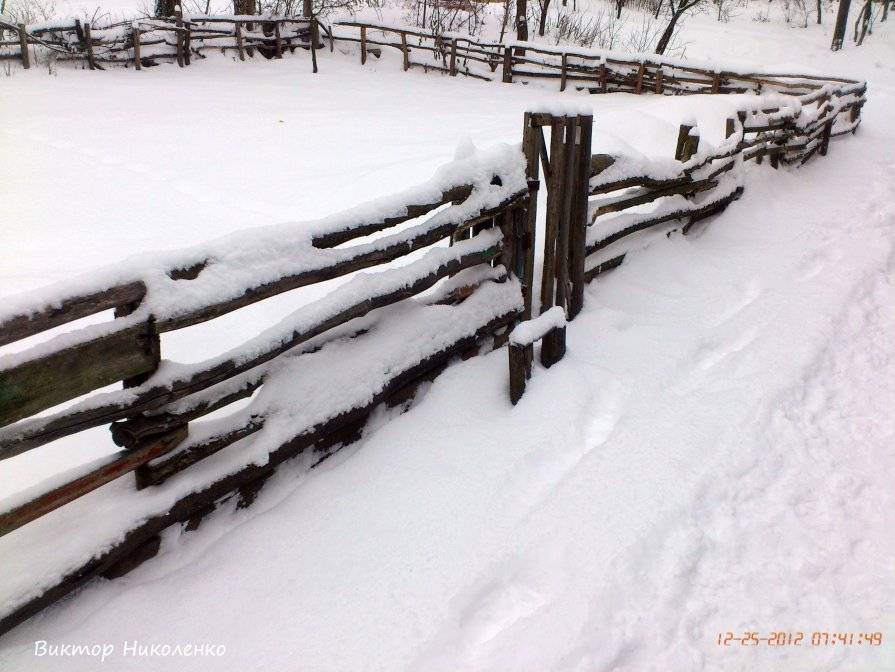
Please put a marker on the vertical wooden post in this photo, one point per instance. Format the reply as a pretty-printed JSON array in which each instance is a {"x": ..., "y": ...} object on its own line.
[
  {"x": 187, "y": 43},
  {"x": 405, "y": 52},
  {"x": 554, "y": 212},
  {"x": 23, "y": 45},
  {"x": 453, "y": 57},
  {"x": 239, "y": 49},
  {"x": 579, "y": 220},
  {"x": 507, "y": 65},
  {"x": 278, "y": 40},
  {"x": 520, "y": 369},
  {"x": 716, "y": 82},
  {"x": 571, "y": 145},
  {"x": 135, "y": 37},
  {"x": 178, "y": 25},
  {"x": 659, "y": 87},
  {"x": 730, "y": 128},
  {"x": 602, "y": 78},
  {"x": 639, "y": 87},
  {"x": 825, "y": 138},
  {"x": 88, "y": 42},
  {"x": 363, "y": 45},
  {"x": 532, "y": 141},
  {"x": 683, "y": 135},
  {"x": 562, "y": 73}
]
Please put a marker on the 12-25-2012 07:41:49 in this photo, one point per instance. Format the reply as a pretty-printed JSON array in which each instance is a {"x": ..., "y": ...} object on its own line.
[{"x": 819, "y": 638}]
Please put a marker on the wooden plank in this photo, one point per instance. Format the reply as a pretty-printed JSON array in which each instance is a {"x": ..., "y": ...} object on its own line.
[
  {"x": 567, "y": 192},
  {"x": 15, "y": 443},
  {"x": 40, "y": 384},
  {"x": 578, "y": 222},
  {"x": 683, "y": 135},
  {"x": 23, "y": 45},
  {"x": 532, "y": 146},
  {"x": 608, "y": 265},
  {"x": 124, "y": 463},
  {"x": 641, "y": 199},
  {"x": 554, "y": 213},
  {"x": 17, "y": 327}
]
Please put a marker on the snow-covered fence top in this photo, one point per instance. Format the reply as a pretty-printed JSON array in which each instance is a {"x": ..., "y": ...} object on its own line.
[{"x": 310, "y": 379}]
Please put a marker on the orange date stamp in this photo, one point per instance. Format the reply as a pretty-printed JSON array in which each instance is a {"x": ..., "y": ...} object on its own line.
[{"x": 799, "y": 639}]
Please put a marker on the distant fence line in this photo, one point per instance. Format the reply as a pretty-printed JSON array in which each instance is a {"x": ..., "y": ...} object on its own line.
[{"x": 472, "y": 290}]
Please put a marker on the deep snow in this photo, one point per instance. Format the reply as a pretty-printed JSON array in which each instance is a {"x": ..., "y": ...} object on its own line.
[{"x": 714, "y": 454}]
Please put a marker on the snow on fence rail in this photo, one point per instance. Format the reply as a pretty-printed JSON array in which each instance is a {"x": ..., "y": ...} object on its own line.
[{"x": 369, "y": 341}]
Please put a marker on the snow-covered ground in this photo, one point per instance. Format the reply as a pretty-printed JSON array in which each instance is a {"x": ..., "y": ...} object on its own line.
[{"x": 714, "y": 454}]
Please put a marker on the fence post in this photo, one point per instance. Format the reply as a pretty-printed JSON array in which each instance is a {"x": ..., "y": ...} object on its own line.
[
  {"x": 532, "y": 145},
  {"x": 278, "y": 40},
  {"x": 562, "y": 74},
  {"x": 659, "y": 87},
  {"x": 639, "y": 86},
  {"x": 508, "y": 65},
  {"x": 363, "y": 45},
  {"x": 135, "y": 37},
  {"x": 579, "y": 223},
  {"x": 23, "y": 44},
  {"x": 178, "y": 25},
  {"x": 454, "y": 57},
  {"x": 88, "y": 41},
  {"x": 405, "y": 52},
  {"x": 683, "y": 136},
  {"x": 239, "y": 48}
]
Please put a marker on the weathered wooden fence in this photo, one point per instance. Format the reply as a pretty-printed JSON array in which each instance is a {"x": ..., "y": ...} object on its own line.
[
  {"x": 150, "y": 418},
  {"x": 146, "y": 42},
  {"x": 597, "y": 207},
  {"x": 585, "y": 69}
]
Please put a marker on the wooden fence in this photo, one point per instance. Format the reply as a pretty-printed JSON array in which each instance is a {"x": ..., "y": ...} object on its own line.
[
  {"x": 598, "y": 207},
  {"x": 150, "y": 417},
  {"x": 146, "y": 42},
  {"x": 585, "y": 69}
]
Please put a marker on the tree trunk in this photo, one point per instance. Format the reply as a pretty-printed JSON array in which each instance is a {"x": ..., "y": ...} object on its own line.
[
  {"x": 165, "y": 7},
  {"x": 619, "y": 5},
  {"x": 819, "y": 21},
  {"x": 522, "y": 20},
  {"x": 307, "y": 8},
  {"x": 244, "y": 7},
  {"x": 669, "y": 33},
  {"x": 841, "y": 24},
  {"x": 542, "y": 23}
]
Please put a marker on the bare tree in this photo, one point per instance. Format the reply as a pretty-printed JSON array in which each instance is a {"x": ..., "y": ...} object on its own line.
[{"x": 675, "y": 13}]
